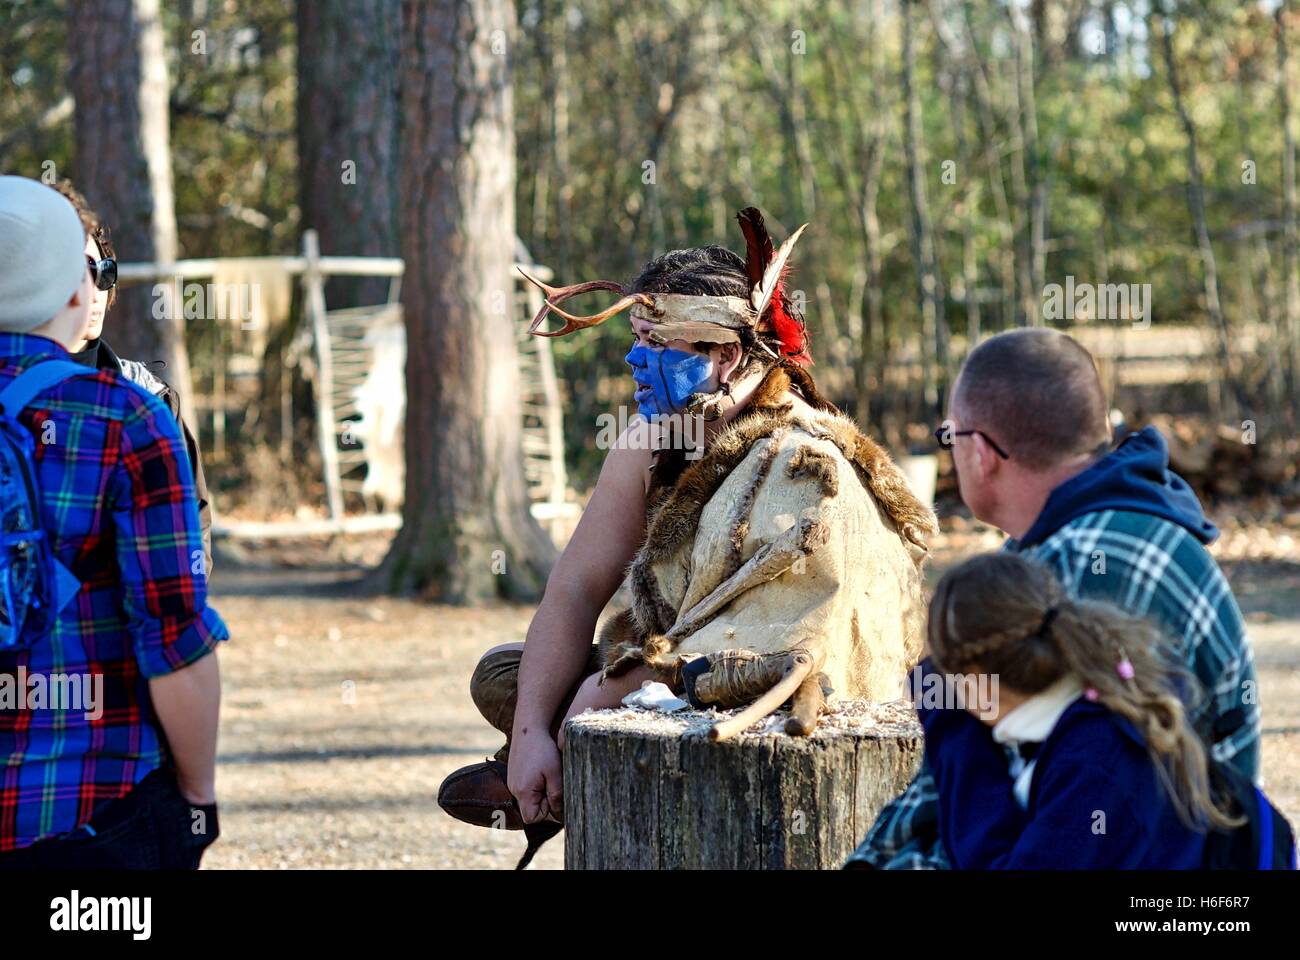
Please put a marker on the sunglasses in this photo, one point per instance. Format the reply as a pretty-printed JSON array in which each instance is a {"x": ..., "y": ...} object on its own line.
[
  {"x": 945, "y": 435},
  {"x": 103, "y": 273}
]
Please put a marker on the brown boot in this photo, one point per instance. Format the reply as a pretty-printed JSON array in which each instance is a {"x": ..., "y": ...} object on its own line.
[
  {"x": 494, "y": 688},
  {"x": 478, "y": 794}
]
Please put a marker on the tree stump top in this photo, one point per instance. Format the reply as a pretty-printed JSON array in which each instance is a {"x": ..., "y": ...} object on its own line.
[
  {"x": 845, "y": 718},
  {"x": 645, "y": 789}
]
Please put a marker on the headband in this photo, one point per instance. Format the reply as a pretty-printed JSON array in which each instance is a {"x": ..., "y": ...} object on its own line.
[{"x": 698, "y": 318}]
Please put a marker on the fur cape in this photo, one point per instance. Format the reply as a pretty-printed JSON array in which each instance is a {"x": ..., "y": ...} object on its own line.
[{"x": 791, "y": 531}]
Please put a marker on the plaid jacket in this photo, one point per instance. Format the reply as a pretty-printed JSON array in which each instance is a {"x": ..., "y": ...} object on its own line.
[
  {"x": 1152, "y": 568},
  {"x": 117, "y": 499}
]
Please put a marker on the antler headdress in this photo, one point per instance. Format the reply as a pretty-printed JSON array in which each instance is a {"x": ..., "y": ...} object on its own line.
[{"x": 701, "y": 318}]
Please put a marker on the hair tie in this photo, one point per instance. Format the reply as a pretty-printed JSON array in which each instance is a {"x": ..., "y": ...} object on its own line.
[{"x": 1125, "y": 666}]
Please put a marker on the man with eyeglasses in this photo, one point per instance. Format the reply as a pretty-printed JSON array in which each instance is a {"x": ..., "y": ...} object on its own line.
[
  {"x": 94, "y": 351},
  {"x": 1031, "y": 444}
]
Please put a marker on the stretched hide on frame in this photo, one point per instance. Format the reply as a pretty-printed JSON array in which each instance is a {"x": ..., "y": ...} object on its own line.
[{"x": 381, "y": 401}]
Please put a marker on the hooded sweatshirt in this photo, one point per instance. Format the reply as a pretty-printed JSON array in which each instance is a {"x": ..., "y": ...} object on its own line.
[{"x": 1134, "y": 477}]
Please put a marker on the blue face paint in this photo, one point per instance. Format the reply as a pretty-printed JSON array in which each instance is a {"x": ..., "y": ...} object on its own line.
[{"x": 666, "y": 378}]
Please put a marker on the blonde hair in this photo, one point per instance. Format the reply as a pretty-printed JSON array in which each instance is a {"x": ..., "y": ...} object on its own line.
[{"x": 1002, "y": 614}]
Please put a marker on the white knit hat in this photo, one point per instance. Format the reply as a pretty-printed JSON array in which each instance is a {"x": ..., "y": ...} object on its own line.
[{"x": 42, "y": 253}]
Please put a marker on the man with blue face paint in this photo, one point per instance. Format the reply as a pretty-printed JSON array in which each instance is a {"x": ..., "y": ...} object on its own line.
[
  {"x": 667, "y": 379},
  {"x": 772, "y": 552}
]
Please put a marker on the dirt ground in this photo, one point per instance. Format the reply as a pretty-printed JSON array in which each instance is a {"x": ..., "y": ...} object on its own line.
[{"x": 342, "y": 712}]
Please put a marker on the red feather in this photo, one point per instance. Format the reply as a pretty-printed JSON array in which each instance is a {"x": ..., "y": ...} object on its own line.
[
  {"x": 759, "y": 251},
  {"x": 790, "y": 330}
]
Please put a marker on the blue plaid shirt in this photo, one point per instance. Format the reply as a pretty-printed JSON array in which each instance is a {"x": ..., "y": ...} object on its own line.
[
  {"x": 1151, "y": 568},
  {"x": 117, "y": 499}
]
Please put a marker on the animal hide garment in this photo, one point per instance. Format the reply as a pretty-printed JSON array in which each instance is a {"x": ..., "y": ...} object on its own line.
[{"x": 791, "y": 531}]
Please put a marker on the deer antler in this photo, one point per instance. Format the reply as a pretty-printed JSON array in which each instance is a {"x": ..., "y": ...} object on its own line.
[
  {"x": 798, "y": 666},
  {"x": 557, "y": 295}
]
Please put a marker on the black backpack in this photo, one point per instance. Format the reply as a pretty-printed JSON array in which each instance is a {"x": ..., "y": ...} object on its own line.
[{"x": 1264, "y": 842}]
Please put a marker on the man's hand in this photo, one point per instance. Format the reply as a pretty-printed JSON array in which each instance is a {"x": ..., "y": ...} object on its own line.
[{"x": 535, "y": 777}]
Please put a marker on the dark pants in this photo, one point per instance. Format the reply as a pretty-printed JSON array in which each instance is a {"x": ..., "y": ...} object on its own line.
[{"x": 151, "y": 828}]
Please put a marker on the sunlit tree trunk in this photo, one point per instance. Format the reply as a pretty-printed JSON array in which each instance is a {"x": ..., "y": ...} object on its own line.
[
  {"x": 933, "y": 340},
  {"x": 1033, "y": 191},
  {"x": 1290, "y": 236},
  {"x": 118, "y": 76},
  {"x": 467, "y": 534}
]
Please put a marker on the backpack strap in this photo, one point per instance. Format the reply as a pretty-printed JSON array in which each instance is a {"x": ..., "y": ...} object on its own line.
[
  {"x": 23, "y": 389},
  {"x": 1265, "y": 814}
]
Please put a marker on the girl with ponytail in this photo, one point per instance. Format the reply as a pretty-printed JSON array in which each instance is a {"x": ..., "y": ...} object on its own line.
[{"x": 1084, "y": 758}]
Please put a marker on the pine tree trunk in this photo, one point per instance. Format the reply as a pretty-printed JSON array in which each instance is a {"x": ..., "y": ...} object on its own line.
[
  {"x": 985, "y": 117},
  {"x": 348, "y": 119},
  {"x": 118, "y": 76},
  {"x": 875, "y": 328},
  {"x": 1036, "y": 190},
  {"x": 467, "y": 534}
]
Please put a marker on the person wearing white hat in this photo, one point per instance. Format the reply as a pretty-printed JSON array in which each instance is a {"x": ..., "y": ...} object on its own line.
[
  {"x": 45, "y": 284},
  {"x": 122, "y": 774}
]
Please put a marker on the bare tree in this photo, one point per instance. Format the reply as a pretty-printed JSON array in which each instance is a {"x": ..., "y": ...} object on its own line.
[
  {"x": 986, "y": 122},
  {"x": 970, "y": 255},
  {"x": 1289, "y": 241},
  {"x": 855, "y": 140},
  {"x": 118, "y": 76},
  {"x": 467, "y": 534},
  {"x": 1196, "y": 204},
  {"x": 933, "y": 329},
  {"x": 1031, "y": 188}
]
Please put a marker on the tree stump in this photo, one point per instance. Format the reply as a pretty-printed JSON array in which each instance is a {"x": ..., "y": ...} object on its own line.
[{"x": 647, "y": 790}]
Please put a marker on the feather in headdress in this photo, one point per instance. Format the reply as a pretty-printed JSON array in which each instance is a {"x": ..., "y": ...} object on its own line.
[{"x": 767, "y": 271}]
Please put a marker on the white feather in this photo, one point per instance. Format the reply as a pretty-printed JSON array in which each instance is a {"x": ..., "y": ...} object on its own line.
[{"x": 761, "y": 295}]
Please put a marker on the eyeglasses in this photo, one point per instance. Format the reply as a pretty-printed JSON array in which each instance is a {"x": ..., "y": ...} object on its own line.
[
  {"x": 103, "y": 273},
  {"x": 945, "y": 435}
]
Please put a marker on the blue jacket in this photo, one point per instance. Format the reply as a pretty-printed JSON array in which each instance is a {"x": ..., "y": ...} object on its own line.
[
  {"x": 1134, "y": 477},
  {"x": 1095, "y": 802}
]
